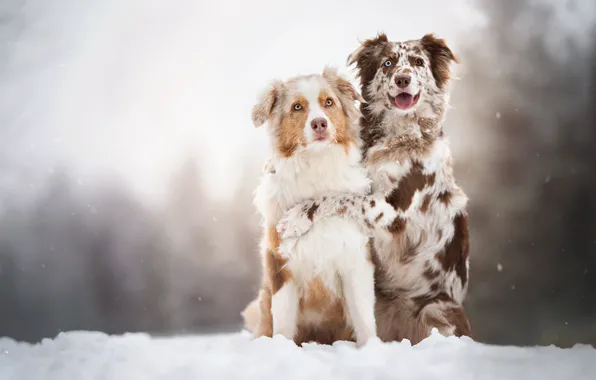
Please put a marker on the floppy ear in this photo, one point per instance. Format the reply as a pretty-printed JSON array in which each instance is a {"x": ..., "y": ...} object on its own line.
[
  {"x": 346, "y": 93},
  {"x": 262, "y": 111},
  {"x": 440, "y": 58},
  {"x": 366, "y": 48},
  {"x": 355, "y": 55},
  {"x": 367, "y": 57},
  {"x": 341, "y": 84}
]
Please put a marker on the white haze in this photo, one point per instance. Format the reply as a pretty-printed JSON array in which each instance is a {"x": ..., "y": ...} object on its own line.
[
  {"x": 128, "y": 90},
  {"x": 132, "y": 87}
]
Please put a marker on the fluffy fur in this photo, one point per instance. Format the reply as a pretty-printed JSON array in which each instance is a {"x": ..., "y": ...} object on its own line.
[
  {"x": 320, "y": 285},
  {"x": 422, "y": 266}
]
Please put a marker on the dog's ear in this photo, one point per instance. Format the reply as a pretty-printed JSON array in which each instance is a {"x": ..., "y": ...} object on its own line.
[
  {"x": 366, "y": 48},
  {"x": 341, "y": 84},
  {"x": 440, "y": 58},
  {"x": 263, "y": 110},
  {"x": 367, "y": 57},
  {"x": 346, "y": 93}
]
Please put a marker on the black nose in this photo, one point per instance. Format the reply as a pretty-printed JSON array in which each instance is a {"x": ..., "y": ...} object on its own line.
[
  {"x": 319, "y": 124},
  {"x": 402, "y": 81}
]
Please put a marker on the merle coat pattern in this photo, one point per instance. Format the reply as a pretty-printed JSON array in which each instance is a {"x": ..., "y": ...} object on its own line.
[{"x": 421, "y": 259}]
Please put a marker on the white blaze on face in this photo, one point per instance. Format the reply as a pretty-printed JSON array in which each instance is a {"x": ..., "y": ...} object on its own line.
[
  {"x": 404, "y": 67},
  {"x": 311, "y": 89}
]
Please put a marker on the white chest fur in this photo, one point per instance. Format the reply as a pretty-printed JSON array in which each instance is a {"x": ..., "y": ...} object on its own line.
[
  {"x": 424, "y": 180},
  {"x": 310, "y": 174}
]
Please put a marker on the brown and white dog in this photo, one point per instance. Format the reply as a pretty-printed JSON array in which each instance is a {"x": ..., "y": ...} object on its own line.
[
  {"x": 320, "y": 285},
  {"x": 422, "y": 266}
]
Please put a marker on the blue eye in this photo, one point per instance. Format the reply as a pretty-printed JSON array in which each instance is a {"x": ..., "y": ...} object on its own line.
[{"x": 388, "y": 63}]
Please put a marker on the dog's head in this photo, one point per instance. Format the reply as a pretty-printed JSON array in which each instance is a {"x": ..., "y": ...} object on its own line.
[
  {"x": 309, "y": 112},
  {"x": 403, "y": 76}
]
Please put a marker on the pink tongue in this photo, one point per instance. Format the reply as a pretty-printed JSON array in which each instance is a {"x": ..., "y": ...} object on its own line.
[{"x": 404, "y": 100}]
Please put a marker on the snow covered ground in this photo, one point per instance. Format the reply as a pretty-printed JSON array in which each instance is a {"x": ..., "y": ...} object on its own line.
[{"x": 97, "y": 356}]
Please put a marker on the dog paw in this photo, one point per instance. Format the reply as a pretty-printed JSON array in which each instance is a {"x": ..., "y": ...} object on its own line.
[
  {"x": 383, "y": 214},
  {"x": 373, "y": 340},
  {"x": 293, "y": 224},
  {"x": 295, "y": 229}
]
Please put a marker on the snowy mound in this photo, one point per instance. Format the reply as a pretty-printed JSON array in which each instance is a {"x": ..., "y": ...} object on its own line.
[{"x": 89, "y": 355}]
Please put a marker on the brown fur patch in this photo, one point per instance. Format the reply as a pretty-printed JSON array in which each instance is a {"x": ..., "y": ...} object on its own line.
[
  {"x": 457, "y": 250},
  {"x": 399, "y": 318},
  {"x": 332, "y": 325},
  {"x": 319, "y": 298},
  {"x": 401, "y": 196},
  {"x": 263, "y": 110},
  {"x": 457, "y": 318},
  {"x": 430, "y": 273},
  {"x": 411, "y": 249},
  {"x": 336, "y": 115},
  {"x": 368, "y": 58},
  {"x": 397, "y": 226},
  {"x": 370, "y": 251},
  {"x": 440, "y": 58},
  {"x": 378, "y": 217},
  {"x": 430, "y": 128},
  {"x": 445, "y": 197},
  {"x": 368, "y": 55},
  {"x": 265, "y": 326},
  {"x": 278, "y": 274},
  {"x": 272, "y": 236},
  {"x": 325, "y": 333},
  {"x": 311, "y": 211},
  {"x": 428, "y": 124},
  {"x": 414, "y": 61},
  {"x": 425, "y": 203},
  {"x": 425, "y": 300},
  {"x": 291, "y": 133},
  {"x": 370, "y": 132}
]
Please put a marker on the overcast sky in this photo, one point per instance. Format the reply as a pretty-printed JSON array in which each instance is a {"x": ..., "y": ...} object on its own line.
[{"x": 133, "y": 86}]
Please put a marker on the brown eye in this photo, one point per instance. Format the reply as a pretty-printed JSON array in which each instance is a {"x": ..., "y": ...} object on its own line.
[
  {"x": 297, "y": 107},
  {"x": 419, "y": 62},
  {"x": 329, "y": 102}
]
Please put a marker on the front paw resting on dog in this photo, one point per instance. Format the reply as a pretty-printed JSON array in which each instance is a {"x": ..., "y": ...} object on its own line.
[
  {"x": 294, "y": 223},
  {"x": 369, "y": 212}
]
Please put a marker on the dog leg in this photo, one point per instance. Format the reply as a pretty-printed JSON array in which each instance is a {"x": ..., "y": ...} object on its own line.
[
  {"x": 265, "y": 323},
  {"x": 359, "y": 292},
  {"x": 284, "y": 309},
  {"x": 448, "y": 318}
]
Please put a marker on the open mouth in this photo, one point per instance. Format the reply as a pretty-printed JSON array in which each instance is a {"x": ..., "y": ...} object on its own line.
[
  {"x": 324, "y": 136},
  {"x": 405, "y": 100}
]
